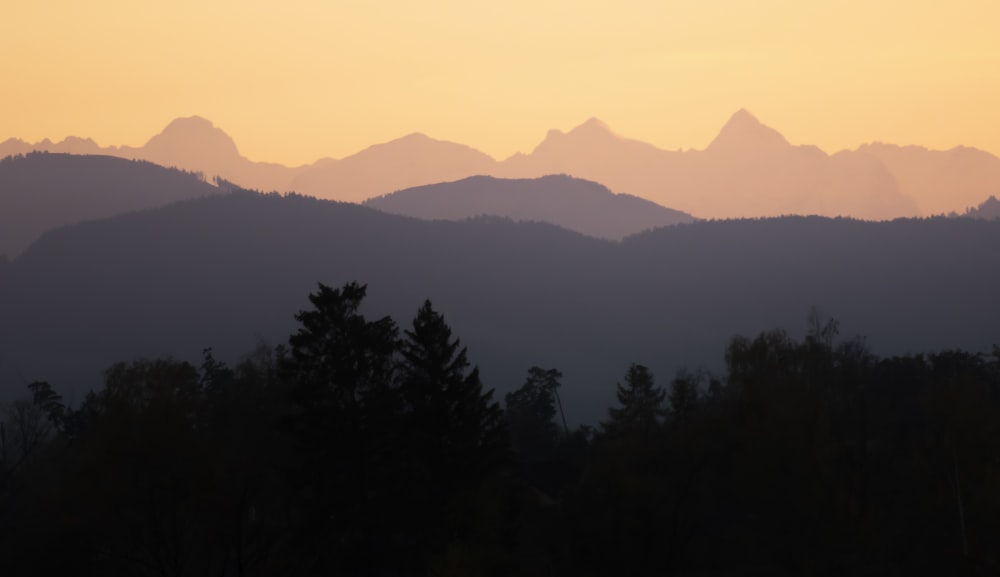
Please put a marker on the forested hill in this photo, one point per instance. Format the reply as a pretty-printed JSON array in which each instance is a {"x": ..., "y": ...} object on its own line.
[
  {"x": 989, "y": 209},
  {"x": 228, "y": 270},
  {"x": 40, "y": 191},
  {"x": 573, "y": 203}
]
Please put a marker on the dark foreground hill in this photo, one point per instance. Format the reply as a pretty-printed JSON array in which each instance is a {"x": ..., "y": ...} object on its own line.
[
  {"x": 573, "y": 203},
  {"x": 41, "y": 191},
  {"x": 228, "y": 270}
]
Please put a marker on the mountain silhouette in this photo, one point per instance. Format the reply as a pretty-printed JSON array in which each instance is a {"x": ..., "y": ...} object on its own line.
[
  {"x": 227, "y": 270},
  {"x": 192, "y": 144},
  {"x": 41, "y": 191},
  {"x": 940, "y": 181},
  {"x": 592, "y": 152},
  {"x": 195, "y": 143},
  {"x": 410, "y": 161},
  {"x": 743, "y": 134},
  {"x": 71, "y": 145},
  {"x": 748, "y": 170},
  {"x": 989, "y": 209},
  {"x": 580, "y": 205}
]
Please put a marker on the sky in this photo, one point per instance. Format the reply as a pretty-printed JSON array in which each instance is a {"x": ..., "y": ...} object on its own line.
[{"x": 296, "y": 80}]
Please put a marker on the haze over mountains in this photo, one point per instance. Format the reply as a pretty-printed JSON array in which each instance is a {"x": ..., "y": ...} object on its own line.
[
  {"x": 574, "y": 204},
  {"x": 749, "y": 170},
  {"x": 989, "y": 209},
  {"x": 226, "y": 270},
  {"x": 39, "y": 192},
  {"x": 42, "y": 191},
  {"x": 192, "y": 144}
]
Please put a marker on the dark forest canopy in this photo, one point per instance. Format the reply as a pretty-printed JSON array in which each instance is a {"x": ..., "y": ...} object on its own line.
[
  {"x": 363, "y": 447},
  {"x": 224, "y": 271}
]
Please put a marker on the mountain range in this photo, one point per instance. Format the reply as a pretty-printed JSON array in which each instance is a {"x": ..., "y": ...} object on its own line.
[
  {"x": 748, "y": 170},
  {"x": 227, "y": 270},
  {"x": 42, "y": 191}
]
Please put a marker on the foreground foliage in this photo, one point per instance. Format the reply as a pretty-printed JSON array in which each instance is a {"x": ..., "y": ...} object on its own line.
[{"x": 360, "y": 449}]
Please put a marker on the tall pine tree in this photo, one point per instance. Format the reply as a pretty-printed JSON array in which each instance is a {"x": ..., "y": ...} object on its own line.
[
  {"x": 641, "y": 404},
  {"x": 458, "y": 425},
  {"x": 455, "y": 435}
]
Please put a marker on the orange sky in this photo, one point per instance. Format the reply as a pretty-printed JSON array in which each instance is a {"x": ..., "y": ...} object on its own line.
[{"x": 296, "y": 80}]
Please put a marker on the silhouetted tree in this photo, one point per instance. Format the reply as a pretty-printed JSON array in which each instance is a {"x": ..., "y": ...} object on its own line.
[
  {"x": 457, "y": 426},
  {"x": 530, "y": 414},
  {"x": 338, "y": 358},
  {"x": 346, "y": 426},
  {"x": 24, "y": 427},
  {"x": 641, "y": 404},
  {"x": 445, "y": 398},
  {"x": 684, "y": 394}
]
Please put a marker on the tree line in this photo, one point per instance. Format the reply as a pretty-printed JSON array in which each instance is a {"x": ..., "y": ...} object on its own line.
[{"x": 360, "y": 448}]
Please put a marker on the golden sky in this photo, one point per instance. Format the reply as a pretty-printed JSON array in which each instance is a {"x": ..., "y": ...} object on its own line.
[{"x": 295, "y": 80}]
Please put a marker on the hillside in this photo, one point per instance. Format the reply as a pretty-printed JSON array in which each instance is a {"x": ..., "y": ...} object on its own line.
[
  {"x": 228, "y": 270},
  {"x": 572, "y": 203},
  {"x": 41, "y": 191},
  {"x": 989, "y": 209}
]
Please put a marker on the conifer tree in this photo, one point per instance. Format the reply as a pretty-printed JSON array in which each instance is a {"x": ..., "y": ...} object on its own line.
[
  {"x": 641, "y": 404},
  {"x": 457, "y": 424},
  {"x": 683, "y": 395},
  {"x": 340, "y": 370},
  {"x": 530, "y": 414},
  {"x": 454, "y": 437}
]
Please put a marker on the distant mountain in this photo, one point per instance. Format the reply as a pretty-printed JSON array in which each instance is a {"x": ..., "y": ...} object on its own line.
[
  {"x": 744, "y": 135},
  {"x": 409, "y": 161},
  {"x": 940, "y": 181},
  {"x": 41, "y": 191},
  {"x": 71, "y": 145},
  {"x": 193, "y": 144},
  {"x": 749, "y": 169},
  {"x": 580, "y": 205},
  {"x": 989, "y": 209},
  {"x": 592, "y": 151},
  {"x": 227, "y": 270}
]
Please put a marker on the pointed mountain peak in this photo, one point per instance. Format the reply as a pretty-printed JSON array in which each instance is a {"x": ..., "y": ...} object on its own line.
[
  {"x": 743, "y": 116},
  {"x": 743, "y": 132},
  {"x": 594, "y": 123},
  {"x": 593, "y": 126}
]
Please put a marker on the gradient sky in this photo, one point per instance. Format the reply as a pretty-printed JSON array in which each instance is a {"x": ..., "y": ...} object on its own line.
[{"x": 296, "y": 80}]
